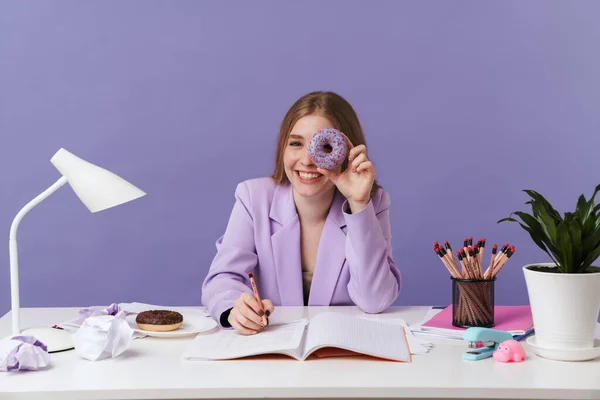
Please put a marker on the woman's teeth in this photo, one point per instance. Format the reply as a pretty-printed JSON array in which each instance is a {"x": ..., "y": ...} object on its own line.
[{"x": 304, "y": 175}]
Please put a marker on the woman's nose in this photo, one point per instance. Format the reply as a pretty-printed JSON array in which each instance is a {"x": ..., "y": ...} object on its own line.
[{"x": 305, "y": 159}]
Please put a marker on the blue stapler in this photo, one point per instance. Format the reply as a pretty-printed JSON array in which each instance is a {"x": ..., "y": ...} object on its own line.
[{"x": 483, "y": 342}]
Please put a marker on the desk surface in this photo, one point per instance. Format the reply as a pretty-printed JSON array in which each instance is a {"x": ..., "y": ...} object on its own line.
[{"x": 153, "y": 368}]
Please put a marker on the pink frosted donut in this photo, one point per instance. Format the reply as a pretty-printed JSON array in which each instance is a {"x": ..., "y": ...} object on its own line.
[{"x": 328, "y": 148}]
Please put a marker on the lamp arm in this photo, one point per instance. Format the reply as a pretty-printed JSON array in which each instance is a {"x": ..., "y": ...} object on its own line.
[{"x": 14, "y": 264}]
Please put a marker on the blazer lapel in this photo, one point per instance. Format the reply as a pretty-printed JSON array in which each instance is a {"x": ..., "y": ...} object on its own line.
[
  {"x": 285, "y": 243},
  {"x": 330, "y": 255}
]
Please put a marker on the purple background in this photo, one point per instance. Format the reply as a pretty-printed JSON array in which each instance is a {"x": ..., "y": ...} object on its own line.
[{"x": 464, "y": 104}]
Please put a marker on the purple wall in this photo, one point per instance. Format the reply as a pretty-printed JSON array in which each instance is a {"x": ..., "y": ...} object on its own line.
[{"x": 464, "y": 105}]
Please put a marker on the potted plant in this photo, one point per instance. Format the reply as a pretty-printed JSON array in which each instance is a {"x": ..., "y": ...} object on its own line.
[{"x": 564, "y": 294}]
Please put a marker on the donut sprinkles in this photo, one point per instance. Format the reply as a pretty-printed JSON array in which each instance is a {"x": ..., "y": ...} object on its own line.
[{"x": 328, "y": 148}]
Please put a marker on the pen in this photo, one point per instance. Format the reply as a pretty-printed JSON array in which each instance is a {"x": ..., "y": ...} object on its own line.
[
  {"x": 523, "y": 336},
  {"x": 255, "y": 289}
]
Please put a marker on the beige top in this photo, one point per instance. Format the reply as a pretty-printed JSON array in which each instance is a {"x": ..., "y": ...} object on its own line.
[
  {"x": 310, "y": 239},
  {"x": 306, "y": 281}
]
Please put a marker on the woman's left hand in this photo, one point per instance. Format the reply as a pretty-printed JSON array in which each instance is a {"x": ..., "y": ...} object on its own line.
[{"x": 356, "y": 181}]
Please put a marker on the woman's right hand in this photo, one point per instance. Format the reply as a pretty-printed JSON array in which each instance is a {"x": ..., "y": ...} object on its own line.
[{"x": 246, "y": 315}]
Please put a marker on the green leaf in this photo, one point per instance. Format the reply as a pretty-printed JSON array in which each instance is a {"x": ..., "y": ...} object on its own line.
[
  {"x": 589, "y": 225},
  {"x": 583, "y": 208},
  {"x": 576, "y": 247},
  {"x": 535, "y": 226},
  {"x": 540, "y": 199},
  {"x": 596, "y": 190},
  {"x": 591, "y": 242},
  {"x": 591, "y": 257},
  {"x": 507, "y": 219},
  {"x": 546, "y": 222},
  {"x": 565, "y": 245},
  {"x": 592, "y": 211},
  {"x": 595, "y": 213},
  {"x": 535, "y": 231},
  {"x": 562, "y": 241},
  {"x": 586, "y": 208}
]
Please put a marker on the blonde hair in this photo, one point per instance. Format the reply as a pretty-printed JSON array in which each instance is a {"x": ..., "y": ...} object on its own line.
[{"x": 329, "y": 105}]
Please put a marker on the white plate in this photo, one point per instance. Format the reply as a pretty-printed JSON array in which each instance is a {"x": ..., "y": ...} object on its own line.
[
  {"x": 565, "y": 355},
  {"x": 192, "y": 325}
]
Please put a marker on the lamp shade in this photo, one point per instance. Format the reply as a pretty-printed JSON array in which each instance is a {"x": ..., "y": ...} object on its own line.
[{"x": 96, "y": 187}]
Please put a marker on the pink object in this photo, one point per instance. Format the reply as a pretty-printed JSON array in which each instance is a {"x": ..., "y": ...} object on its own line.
[
  {"x": 336, "y": 142},
  {"x": 513, "y": 319},
  {"x": 509, "y": 350}
]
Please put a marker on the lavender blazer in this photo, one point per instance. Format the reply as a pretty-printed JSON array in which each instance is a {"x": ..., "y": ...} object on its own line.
[{"x": 354, "y": 264}]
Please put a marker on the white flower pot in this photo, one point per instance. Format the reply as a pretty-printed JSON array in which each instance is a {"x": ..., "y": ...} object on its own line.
[{"x": 565, "y": 308}]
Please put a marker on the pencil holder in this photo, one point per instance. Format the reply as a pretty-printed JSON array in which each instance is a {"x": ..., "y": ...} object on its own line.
[{"x": 473, "y": 302}]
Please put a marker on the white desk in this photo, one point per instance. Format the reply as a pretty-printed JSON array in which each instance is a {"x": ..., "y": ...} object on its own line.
[{"x": 153, "y": 369}]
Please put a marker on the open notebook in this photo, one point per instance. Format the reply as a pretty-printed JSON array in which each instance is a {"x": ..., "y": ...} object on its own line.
[{"x": 329, "y": 331}]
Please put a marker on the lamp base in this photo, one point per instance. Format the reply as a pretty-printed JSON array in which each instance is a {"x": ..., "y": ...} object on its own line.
[{"x": 55, "y": 339}]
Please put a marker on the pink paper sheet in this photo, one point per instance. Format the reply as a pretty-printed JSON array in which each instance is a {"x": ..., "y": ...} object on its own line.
[{"x": 506, "y": 318}]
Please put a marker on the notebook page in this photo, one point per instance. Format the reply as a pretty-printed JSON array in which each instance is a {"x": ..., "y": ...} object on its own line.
[
  {"x": 331, "y": 329},
  {"x": 228, "y": 344}
]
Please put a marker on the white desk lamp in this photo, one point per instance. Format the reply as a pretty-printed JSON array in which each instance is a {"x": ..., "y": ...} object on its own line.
[{"x": 98, "y": 189}]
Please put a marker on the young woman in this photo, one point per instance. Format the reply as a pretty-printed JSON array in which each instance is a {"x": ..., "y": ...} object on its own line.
[{"x": 309, "y": 236}]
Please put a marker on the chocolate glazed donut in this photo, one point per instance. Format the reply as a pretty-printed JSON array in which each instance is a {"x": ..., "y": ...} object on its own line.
[
  {"x": 159, "y": 320},
  {"x": 328, "y": 148}
]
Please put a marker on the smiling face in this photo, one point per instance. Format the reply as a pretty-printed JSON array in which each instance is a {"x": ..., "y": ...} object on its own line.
[
  {"x": 299, "y": 168},
  {"x": 306, "y": 116}
]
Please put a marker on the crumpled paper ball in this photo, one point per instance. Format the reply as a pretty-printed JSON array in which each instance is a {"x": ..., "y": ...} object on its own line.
[
  {"x": 113, "y": 309},
  {"x": 23, "y": 353},
  {"x": 102, "y": 336}
]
